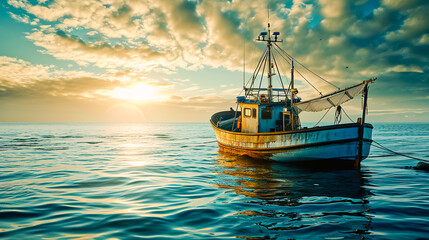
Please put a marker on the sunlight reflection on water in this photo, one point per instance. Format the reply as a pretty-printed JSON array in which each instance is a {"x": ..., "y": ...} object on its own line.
[{"x": 164, "y": 181}]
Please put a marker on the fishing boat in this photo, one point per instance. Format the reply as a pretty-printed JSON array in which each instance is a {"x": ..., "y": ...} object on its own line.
[{"x": 266, "y": 123}]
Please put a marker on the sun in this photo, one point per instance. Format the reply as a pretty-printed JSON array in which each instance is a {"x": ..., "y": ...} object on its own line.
[{"x": 137, "y": 92}]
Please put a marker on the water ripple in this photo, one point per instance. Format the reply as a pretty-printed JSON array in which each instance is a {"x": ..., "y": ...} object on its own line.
[{"x": 164, "y": 181}]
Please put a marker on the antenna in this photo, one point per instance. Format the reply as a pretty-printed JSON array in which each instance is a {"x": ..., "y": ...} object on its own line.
[
  {"x": 268, "y": 9},
  {"x": 244, "y": 62}
]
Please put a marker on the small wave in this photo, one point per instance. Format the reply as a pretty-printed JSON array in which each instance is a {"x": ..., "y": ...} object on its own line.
[
  {"x": 162, "y": 136},
  {"x": 27, "y": 144},
  {"x": 98, "y": 182},
  {"x": 94, "y": 142},
  {"x": 30, "y": 139},
  {"x": 52, "y": 148},
  {"x": 48, "y": 136},
  {"x": 18, "y": 214},
  {"x": 71, "y": 136}
]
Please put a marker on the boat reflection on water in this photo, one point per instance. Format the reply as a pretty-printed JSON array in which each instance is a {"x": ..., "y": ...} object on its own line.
[{"x": 329, "y": 202}]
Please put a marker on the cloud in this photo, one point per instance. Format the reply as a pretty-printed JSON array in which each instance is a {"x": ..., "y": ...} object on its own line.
[
  {"x": 74, "y": 87},
  {"x": 21, "y": 79},
  {"x": 206, "y": 103},
  {"x": 397, "y": 5},
  {"x": 19, "y": 3},
  {"x": 402, "y": 111},
  {"x": 402, "y": 68},
  {"x": 342, "y": 41},
  {"x": 189, "y": 34},
  {"x": 20, "y": 71},
  {"x": 20, "y": 18},
  {"x": 64, "y": 46}
]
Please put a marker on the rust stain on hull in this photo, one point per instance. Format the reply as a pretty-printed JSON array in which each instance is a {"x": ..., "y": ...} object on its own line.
[
  {"x": 337, "y": 141},
  {"x": 253, "y": 154}
]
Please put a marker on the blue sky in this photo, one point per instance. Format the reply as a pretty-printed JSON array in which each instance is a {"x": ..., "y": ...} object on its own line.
[{"x": 111, "y": 60}]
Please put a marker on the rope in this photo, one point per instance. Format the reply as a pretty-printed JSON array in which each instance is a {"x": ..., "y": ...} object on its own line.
[
  {"x": 279, "y": 76},
  {"x": 256, "y": 71},
  {"x": 323, "y": 117},
  {"x": 307, "y": 68},
  {"x": 263, "y": 59},
  {"x": 397, "y": 153},
  {"x": 387, "y": 155},
  {"x": 286, "y": 91},
  {"x": 287, "y": 55},
  {"x": 262, "y": 78},
  {"x": 338, "y": 115},
  {"x": 300, "y": 73},
  {"x": 309, "y": 82},
  {"x": 347, "y": 115}
]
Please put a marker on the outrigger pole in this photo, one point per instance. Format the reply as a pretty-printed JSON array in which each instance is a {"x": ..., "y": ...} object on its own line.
[{"x": 361, "y": 128}]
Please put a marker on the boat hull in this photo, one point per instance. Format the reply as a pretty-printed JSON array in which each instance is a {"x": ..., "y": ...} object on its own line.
[{"x": 319, "y": 143}]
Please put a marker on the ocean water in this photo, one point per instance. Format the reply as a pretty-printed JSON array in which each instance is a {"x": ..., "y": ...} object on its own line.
[{"x": 169, "y": 181}]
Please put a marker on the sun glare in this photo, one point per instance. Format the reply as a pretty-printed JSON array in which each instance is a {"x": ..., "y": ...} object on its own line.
[{"x": 138, "y": 92}]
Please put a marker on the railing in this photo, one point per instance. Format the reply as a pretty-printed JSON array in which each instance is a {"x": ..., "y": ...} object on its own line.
[
  {"x": 226, "y": 117},
  {"x": 278, "y": 93}
]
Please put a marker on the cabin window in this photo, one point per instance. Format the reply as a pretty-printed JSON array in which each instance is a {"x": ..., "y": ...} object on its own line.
[
  {"x": 247, "y": 112},
  {"x": 267, "y": 113},
  {"x": 253, "y": 112}
]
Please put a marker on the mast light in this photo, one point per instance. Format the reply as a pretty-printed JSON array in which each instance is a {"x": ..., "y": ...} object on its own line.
[
  {"x": 262, "y": 34},
  {"x": 276, "y": 34}
]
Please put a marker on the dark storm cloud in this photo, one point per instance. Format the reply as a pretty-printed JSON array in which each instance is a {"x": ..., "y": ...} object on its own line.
[{"x": 406, "y": 85}]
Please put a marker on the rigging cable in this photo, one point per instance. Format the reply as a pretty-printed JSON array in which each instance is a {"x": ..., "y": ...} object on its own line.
[
  {"x": 302, "y": 75},
  {"x": 290, "y": 57},
  {"x": 264, "y": 55},
  {"x": 307, "y": 68},
  {"x": 309, "y": 82},
  {"x": 262, "y": 76},
  {"x": 287, "y": 55},
  {"x": 281, "y": 65},
  {"x": 281, "y": 54},
  {"x": 378, "y": 145},
  {"x": 258, "y": 68},
  {"x": 277, "y": 67},
  {"x": 322, "y": 117},
  {"x": 347, "y": 115},
  {"x": 290, "y": 84}
]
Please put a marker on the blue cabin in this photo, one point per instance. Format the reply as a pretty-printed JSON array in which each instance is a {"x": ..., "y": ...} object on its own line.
[{"x": 259, "y": 117}]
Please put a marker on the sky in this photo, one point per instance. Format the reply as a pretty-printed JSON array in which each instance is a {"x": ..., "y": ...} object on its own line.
[{"x": 182, "y": 61}]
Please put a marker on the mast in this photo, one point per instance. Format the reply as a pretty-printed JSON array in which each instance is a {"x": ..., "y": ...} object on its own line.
[
  {"x": 270, "y": 84},
  {"x": 292, "y": 93},
  {"x": 267, "y": 57}
]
